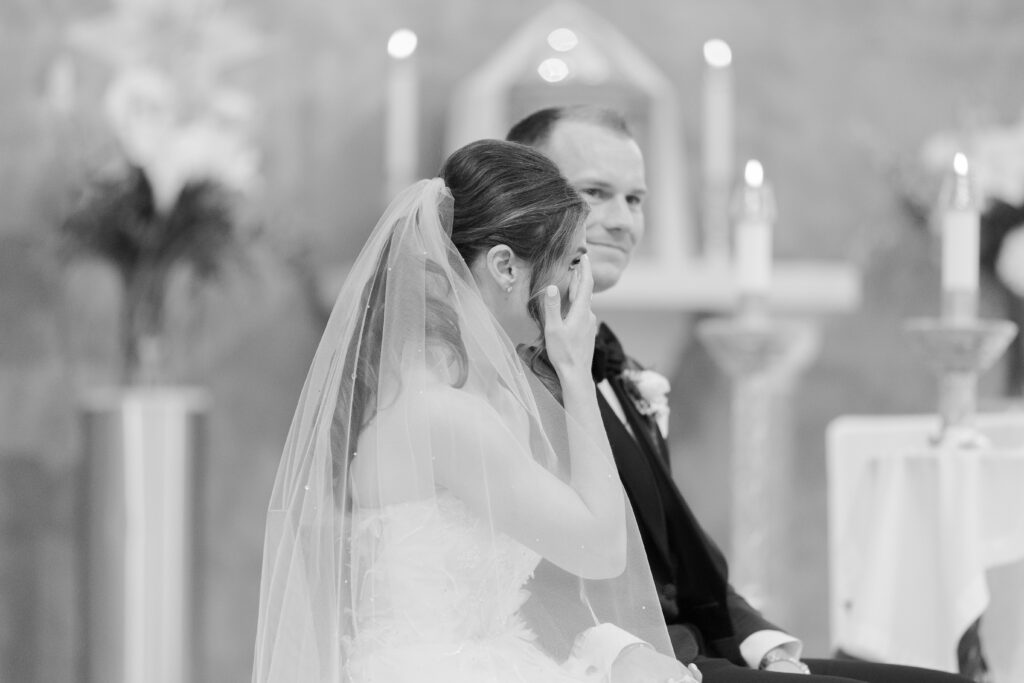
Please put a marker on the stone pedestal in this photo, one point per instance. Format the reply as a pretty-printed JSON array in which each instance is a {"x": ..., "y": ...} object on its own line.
[
  {"x": 958, "y": 352},
  {"x": 760, "y": 355}
]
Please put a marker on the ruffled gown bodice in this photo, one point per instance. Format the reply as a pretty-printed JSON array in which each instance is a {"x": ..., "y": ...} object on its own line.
[{"x": 439, "y": 599}]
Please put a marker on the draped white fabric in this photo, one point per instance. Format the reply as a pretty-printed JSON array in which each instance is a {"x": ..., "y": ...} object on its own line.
[
  {"x": 914, "y": 531},
  {"x": 399, "y": 545}
]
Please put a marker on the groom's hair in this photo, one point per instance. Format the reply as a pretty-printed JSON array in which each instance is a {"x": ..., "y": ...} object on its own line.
[{"x": 535, "y": 129}]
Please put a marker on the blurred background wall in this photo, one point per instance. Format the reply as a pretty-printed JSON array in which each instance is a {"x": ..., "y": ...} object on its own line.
[{"x": 832, "y": 95}]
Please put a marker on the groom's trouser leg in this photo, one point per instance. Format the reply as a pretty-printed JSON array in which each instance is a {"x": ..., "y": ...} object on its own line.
[
  {"x": 724, "y": 671},
  {"x": 871, "y": 672}
]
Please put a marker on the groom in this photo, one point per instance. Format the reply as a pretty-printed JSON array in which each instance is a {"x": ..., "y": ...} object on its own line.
[{"x": 708, "y": 622}]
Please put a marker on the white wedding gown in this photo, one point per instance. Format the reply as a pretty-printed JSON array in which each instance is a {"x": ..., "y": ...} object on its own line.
[{"x": 441, "y": 602}]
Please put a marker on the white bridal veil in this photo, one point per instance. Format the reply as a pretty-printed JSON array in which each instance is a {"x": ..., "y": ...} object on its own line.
[{"x": 409, "y": 320}]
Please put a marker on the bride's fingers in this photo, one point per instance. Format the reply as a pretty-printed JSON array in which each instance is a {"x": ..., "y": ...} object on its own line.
[
  {"x": 584, "y": 288},
  {"x": 574, "y": 284},
  {"x": 586, "y": 285},
  {"x": 552, "y": 309}
]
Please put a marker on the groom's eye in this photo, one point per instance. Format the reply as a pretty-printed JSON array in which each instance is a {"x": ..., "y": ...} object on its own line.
[{"x": 594, "y": 193}]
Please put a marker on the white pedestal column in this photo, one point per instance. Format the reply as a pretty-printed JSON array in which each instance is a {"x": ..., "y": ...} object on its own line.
[
  {"x": 761, "y": 356},
  {"x": 143, "y": 447}
]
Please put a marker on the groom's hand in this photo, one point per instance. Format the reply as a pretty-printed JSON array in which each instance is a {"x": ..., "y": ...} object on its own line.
[
  {"x": 780, "y": 660},
  {"x": 646, "y": 665}
]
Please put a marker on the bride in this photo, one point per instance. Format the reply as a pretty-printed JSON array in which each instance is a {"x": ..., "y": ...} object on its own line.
[{"x": 447, "y": 507}]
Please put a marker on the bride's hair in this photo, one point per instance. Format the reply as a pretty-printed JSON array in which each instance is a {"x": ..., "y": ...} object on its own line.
[
  {"x": 507, "y": 193},
  {"x": 503, "y": 193}
]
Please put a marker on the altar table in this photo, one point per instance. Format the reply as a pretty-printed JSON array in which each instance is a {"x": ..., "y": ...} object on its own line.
[{"x": 922, "y": 542}]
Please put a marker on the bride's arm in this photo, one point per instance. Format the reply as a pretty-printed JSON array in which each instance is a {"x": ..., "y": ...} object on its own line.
[
  {"x": 580, "y": 526},
  {"x": 569, "y": 342}
]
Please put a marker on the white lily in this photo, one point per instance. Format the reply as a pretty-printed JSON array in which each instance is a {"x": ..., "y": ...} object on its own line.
[{"x": 215, "y": 145}]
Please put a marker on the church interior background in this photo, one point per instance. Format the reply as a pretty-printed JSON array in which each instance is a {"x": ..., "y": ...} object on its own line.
[{"x": 839, "y": 100}]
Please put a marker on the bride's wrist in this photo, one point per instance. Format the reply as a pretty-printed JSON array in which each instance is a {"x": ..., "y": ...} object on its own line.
[{"x": 574, "y": 378}]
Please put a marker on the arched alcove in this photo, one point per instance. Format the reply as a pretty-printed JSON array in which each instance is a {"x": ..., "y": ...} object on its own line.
[{"x": 602, "y": 67}]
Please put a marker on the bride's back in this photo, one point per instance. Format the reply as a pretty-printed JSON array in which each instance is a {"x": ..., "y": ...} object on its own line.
[
  {"x": 434, "y": 577},
  {"x": 393, "y": 462}
]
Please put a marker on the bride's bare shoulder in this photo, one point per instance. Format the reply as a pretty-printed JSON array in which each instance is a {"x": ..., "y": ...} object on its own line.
[
  {"x": 435, "y": 400},
  {"x": 453, "y": 405}
]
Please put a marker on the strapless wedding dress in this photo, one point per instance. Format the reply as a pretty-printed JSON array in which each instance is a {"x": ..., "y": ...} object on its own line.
[{"x": 441, "y": 602}]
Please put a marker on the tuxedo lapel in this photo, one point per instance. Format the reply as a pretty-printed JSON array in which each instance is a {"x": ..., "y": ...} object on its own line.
[
  {"x": 697, "y": 562},
  {"x": 638, "y": 479},
  {"x": 643, "y": 426},
  {"x": 689, "y": 570},
  {"x": 660, "y": 445}
]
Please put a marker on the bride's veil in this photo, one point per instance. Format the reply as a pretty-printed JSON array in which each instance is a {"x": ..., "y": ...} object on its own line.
[{"x": 408, "y": 326}]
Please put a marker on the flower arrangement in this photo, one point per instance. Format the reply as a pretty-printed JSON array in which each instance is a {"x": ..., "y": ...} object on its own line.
[
  {"x": 170, "y": 203},
  {"x": 649, "y": 390}
]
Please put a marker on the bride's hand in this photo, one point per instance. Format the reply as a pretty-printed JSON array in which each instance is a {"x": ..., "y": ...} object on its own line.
[
  {"x": 647, "y": 665},
  {"x": 570, "y": 339}
]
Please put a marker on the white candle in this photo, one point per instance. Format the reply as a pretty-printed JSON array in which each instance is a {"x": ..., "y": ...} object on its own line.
[
  {"x": 401, "y": 133},
  {"x": 960, "y": 233},
  {"x": 717, "y": 148},
  {"x": 753, "y": 245},
  {"x": 718, "y": 112}
]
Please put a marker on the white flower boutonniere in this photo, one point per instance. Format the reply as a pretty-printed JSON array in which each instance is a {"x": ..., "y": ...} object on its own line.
[{"x": 650, "y": 393}]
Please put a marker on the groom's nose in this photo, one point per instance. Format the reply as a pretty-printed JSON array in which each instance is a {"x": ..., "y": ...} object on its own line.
[{"x": 619, "y": 217}]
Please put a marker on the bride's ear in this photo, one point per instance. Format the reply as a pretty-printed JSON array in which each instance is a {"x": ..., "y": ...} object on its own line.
[{"x": 501, "y": 264}]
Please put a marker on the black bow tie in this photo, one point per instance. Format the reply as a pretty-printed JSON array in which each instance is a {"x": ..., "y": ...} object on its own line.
[{"x": 609, "y": 358}]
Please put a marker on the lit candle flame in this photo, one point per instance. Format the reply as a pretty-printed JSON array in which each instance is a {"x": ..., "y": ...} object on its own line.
[
  {"x": 563, "y": 39},
  {"x": 717, "y": 53},
  {"x": 402, "y": 43},
  {"x": 553, "y": 70},
  {"x": 960, "y": 163},
  {"x": 753, "y": 173}
]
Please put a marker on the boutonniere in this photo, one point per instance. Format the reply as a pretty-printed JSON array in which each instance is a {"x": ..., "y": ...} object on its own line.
[{"x": 649, "y": 390}]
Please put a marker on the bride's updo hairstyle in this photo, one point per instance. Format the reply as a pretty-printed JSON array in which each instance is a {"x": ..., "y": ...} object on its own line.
[{"x": 507, "y": 193}]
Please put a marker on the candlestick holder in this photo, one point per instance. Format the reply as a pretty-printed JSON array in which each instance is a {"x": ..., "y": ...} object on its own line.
[
  {"x": 958, "y": 351},
  {"x": 758, "y": 354}
]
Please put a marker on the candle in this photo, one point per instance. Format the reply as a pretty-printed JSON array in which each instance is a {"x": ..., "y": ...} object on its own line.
[
  {"x": 718, "y": 111},
  {"x": 960, "y": 244},
  {"x": 401, "y": 139},
  {"x": 753, "y": 246},
  {"x": 718, "y": 132}
]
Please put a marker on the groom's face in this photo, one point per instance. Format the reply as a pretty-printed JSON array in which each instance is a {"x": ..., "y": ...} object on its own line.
[{"x": 608, "y": 170}]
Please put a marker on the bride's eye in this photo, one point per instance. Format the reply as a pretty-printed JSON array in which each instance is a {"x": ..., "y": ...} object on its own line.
[{"x": 575, "y": 262}]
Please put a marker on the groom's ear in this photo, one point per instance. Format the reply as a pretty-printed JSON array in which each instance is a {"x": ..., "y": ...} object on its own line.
[{"x": 501, "y": 265}]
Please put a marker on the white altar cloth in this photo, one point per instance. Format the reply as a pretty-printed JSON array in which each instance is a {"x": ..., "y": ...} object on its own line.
[{"x": 913, "y": 533}]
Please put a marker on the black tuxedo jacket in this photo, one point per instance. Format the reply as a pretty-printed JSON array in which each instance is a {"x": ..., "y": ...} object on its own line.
[{"x": 705, "y": 615}]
